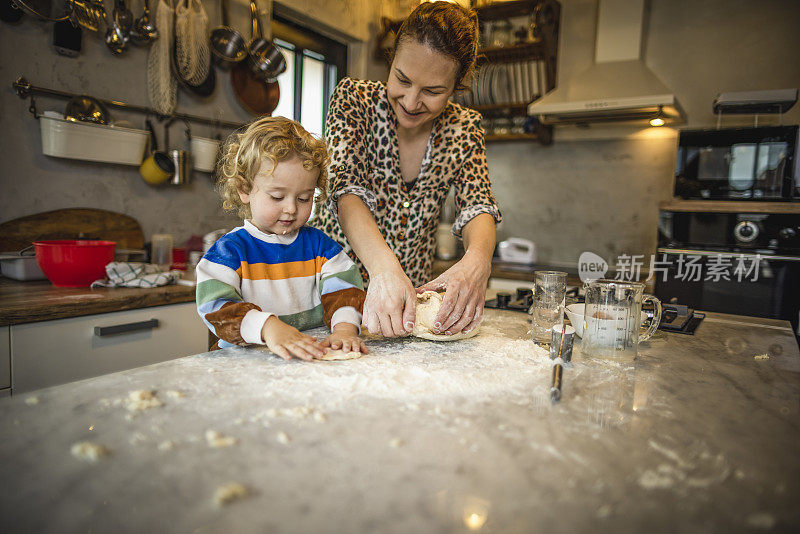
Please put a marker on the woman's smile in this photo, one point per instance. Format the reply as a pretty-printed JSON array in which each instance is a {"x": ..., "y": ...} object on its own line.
[{"x": 420, "y": 83}]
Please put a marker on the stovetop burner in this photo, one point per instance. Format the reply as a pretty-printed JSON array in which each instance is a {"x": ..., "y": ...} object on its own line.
[{"x": 674, "y": 317}]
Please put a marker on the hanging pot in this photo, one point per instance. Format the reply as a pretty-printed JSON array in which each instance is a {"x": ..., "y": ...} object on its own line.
[
  {"x": 227, "y": 45},
  {"x": 158, "y": 167},
  {"x": 9, "y": 12},
  {"x": 265, "y": 59},
  {"x": 253, "y": 93}
]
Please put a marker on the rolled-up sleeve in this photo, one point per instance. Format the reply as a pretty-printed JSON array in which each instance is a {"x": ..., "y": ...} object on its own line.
[
  {"x": 473, "y": 188},
  {"x": 347, "y": 134}
]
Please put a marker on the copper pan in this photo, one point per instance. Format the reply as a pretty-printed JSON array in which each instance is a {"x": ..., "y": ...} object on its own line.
[{"x": 254, "y": 94}]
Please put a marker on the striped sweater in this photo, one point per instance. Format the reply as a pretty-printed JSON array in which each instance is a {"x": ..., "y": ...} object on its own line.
[{"x": 304, "y": 278}]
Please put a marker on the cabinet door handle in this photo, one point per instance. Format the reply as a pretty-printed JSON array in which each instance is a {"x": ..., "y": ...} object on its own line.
[{"x": 123, "y": 328}]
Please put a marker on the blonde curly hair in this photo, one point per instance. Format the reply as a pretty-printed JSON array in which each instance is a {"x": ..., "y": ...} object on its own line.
[{"x": 272, "y": 138}]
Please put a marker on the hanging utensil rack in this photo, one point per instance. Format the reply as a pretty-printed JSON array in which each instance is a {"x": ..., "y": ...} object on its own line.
[{"x": 24, "y": 90}]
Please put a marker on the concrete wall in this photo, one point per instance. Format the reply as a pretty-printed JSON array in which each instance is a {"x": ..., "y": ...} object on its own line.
[
  {"x": 599, "y": 189},
  {"x": 31, "y": 182}
]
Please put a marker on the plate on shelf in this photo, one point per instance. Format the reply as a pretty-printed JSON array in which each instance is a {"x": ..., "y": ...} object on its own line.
[
  {"x": 477, "y": 94},
  {"x": 500, "y": 85},
  {"x": 533, "y": 79},
  {"x": 487, "y": 85},
  {"x": 523, "y": 86}
]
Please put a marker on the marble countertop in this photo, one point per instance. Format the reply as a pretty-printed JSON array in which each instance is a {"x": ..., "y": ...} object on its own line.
[
  {"x": 30, "y": 302},
  {"x": 696, "y": 435}
]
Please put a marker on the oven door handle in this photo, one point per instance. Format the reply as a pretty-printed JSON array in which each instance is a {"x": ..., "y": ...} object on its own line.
[{"x": 693, "y": 252}]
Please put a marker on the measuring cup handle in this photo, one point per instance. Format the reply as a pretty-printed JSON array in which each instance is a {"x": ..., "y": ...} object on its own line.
[{"x": 656, "y": 317}]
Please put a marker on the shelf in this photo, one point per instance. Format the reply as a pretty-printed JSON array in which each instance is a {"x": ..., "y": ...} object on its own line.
[
  {"x": 730, "y": 206},
  {"x": 518, "y": 108},
  {"x": 545, "y": 137},
  {"x": 24, "y": 90},
  {"x": 504, "y": 10},
  {"x": 517, "y": 52}
]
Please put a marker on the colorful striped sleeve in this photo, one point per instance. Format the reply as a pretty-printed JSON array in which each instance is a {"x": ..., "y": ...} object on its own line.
[
  {"x": 219, "y": 296},
  {"x": 341, "y": 289}
]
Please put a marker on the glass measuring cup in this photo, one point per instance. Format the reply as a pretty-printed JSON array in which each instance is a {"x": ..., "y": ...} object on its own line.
[
  {"x": 548, "y": 304},
  {"x": 612, "y": 319}
]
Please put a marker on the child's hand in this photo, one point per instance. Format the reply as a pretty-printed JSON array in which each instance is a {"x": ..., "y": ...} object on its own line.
[
  {"x": 345, "y": 337},
  {"x": 287, "y": 341}
]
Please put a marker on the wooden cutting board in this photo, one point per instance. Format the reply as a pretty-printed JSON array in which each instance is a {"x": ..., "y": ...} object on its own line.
[{"x": 72, "y": 223}]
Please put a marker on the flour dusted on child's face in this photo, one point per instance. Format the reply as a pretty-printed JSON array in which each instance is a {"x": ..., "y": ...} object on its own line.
[{"x": 282, "y": 196}]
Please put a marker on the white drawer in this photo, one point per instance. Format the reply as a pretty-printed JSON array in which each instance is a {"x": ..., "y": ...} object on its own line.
[
  {"x": 55, "y": 352},
  {"x": 5, "y": 357}
]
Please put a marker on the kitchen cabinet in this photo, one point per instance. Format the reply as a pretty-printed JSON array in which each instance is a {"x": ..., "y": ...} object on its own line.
[
  {"x": 54, "y": 352},
  {"x": 5, "y": 361}
]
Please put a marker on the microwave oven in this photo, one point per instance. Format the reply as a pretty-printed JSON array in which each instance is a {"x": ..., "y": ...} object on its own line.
[{"x": 758, "y": 163}]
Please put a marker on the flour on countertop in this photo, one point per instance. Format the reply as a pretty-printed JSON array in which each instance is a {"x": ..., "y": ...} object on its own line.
[{"x": 408, "y": 370}]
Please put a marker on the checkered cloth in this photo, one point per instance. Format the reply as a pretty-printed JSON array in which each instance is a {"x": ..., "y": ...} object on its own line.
[{"x": 130, "y": 274}]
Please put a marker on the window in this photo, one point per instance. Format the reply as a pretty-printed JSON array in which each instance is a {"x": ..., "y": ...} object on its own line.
[{"x": 314, "y": 64}]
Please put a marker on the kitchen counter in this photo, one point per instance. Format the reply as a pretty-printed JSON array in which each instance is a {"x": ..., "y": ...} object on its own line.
[
  {"x": 696, "y": 435},
  {"x": 30, "y": 302}
]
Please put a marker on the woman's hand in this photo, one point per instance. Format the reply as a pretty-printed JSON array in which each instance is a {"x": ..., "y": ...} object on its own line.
[
  {"x": 465, "y": 284},
  {"x": 287, "y": 341},
  {"x": 391, "y": 304}
]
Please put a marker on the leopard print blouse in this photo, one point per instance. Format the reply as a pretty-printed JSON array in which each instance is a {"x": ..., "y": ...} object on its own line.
[{"x": 362, "y": 138}]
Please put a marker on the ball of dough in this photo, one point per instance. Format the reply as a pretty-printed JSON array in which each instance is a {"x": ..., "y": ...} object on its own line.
[{"x": 428, "y": 304}]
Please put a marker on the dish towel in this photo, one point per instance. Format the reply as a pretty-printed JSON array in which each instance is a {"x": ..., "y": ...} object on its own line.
[{"x": 131, "y": 274}]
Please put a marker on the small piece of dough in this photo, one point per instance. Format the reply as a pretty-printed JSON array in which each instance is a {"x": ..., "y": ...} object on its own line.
[
  {"x": 88, "y": 451},
  {"x": 229, "y": 492},
  {"x": 339, "y": 354},
  {"x": 216, "y": 440},
  {"x": 428, "y": 304},
  {"x": 141, "y": 400}
]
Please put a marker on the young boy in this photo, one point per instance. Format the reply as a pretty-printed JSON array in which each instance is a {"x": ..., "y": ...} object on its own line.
[{"x": 265, "y": 281}]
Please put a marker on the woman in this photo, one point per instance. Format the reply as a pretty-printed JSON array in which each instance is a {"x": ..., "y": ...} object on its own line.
[{"x": 396, "y": 150}]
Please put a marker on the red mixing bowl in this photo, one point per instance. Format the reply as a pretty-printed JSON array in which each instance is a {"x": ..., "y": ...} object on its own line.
[{"x": 74, "y": 263}]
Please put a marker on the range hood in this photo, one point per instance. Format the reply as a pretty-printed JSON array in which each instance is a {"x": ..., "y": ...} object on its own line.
[{"x": 618, "y": 87}]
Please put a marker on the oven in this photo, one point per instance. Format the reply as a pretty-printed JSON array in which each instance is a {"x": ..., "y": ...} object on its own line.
[{"x": 740, "y": 263}]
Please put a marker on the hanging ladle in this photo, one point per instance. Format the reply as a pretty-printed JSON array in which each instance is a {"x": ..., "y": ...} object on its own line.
[
  {"x": 144, "y": 30},
  {"x": 115, "y": 40},
  {"x": 123, "y": 18}
]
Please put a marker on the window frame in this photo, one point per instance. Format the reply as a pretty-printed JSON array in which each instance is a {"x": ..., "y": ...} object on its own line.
[{"x": 308, "y": 43}]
